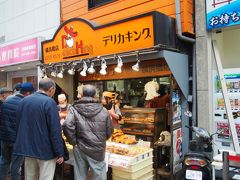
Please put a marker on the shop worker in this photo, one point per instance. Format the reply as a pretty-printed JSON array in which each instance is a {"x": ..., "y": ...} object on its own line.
[
  {"x": 8, "y": 132},
  {"x": 114, "y": 111},
  {"x": 153, "y": 98},
  {"x": 63, "y": 106},
  {"x": 39, "y": 137},
  {"x": 88, "y": 125}
]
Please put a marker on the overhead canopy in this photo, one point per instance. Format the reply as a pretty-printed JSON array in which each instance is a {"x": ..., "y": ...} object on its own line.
[
  {"x": 157, "y": 63},
  {"x": 177, "y": 63}
]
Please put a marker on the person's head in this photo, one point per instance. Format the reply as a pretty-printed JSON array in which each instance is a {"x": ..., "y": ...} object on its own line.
[
  {"x": 62, "y": 100},
  {"x": 5, "y": 92},
  {"x": 26, "y": 88},
  {"x": 151, "y": 88},
  {"x": 17, "y": 87},
  {"x": 48, "y": 86},
  {"x": 107, "y": 97},
  {"x": 89, "y": 91}
]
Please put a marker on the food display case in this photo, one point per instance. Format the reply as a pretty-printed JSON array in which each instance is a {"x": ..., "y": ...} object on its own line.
[{"x": 145, "y": 123}]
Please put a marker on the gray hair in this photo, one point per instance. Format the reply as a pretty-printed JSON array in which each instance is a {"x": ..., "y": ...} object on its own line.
[
  {"x": 46, "y": 83},
  {"x": 89, "y": 90}
]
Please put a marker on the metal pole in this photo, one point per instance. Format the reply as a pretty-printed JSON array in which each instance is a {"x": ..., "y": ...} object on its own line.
[
  {"x": 225, "y": 173},
  {"x": 226, "y": 98}
]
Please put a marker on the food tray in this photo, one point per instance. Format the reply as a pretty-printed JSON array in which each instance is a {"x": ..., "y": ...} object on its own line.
[
  {"x": 126, "y": 161},
  {"x": 136, "y": 166},
  {"x": 142, "y": 174}
]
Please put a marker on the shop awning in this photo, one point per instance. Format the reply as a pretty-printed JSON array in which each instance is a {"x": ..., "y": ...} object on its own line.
[{"x": 178, "y": 64}]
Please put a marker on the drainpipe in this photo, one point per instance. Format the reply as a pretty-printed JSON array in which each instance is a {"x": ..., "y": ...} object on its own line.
[{"x": 193, "y": 41}]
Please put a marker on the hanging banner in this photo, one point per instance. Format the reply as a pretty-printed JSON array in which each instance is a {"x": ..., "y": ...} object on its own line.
[
  {"x": 77, "y": 38},
  {"x": 222, "y": 13}
]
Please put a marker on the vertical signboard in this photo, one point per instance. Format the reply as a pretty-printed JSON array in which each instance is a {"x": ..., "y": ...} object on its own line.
[{"x": 177, "y": 149}]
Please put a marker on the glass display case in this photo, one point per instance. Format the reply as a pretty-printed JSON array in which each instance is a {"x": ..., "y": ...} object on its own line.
[{"x": 145, "y": 123}]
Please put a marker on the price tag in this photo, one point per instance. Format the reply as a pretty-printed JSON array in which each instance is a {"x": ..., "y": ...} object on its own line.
[{"x": 118, "y": 160}]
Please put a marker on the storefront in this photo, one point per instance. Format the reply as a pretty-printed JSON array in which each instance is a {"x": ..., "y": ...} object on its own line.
[
  {"x": 122, "y": 57},
  {"x": 18, "y": 63},
  {"x": 223, "y": 20}
]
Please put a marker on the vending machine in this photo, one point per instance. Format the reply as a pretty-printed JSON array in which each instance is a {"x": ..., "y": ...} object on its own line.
[{"x": 224, "y": 139}]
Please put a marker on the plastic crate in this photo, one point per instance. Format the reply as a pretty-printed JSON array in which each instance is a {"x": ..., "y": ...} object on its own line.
[
  {"x": 141, "y": 174},
  {"x": 136, "y": 166}
]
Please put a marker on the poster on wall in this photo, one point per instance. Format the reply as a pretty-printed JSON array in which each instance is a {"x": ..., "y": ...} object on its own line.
[
  {"x": 176, "y": 107},
  {"x": 222, "y": 13},
  {"x": 177, "y": 149}
]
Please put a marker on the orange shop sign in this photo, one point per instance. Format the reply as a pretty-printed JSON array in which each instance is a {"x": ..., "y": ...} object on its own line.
[{"x": 78, "y": 38}]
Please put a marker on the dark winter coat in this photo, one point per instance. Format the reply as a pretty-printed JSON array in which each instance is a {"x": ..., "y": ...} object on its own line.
[
  {"x": 39, "y": 131},
  {"x": 88, "y": 125},
  {"x": 8, "y": 124}
]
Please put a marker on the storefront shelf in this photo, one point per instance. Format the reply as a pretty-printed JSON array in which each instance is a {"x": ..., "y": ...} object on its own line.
[
  {"x": 138, "y": 133},
  {"x": 138, "y": 122}
]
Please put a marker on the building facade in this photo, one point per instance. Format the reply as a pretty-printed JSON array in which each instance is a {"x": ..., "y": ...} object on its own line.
[
  {"x": 224, "y": 30},
  {"x": 23, "y": 25},
  {"x": 120, "y": 46}
]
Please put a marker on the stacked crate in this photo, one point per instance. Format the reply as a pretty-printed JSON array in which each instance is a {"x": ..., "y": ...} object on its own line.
[{"x": 140, "y": 168}]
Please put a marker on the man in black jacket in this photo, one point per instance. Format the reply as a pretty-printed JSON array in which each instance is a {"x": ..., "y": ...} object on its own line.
[
  {"x": 8, "y": 132},
  {"x": 88, "y": 125}
]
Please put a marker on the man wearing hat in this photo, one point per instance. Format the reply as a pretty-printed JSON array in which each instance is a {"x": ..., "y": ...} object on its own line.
[
  {"x": 17, "y": 88},
  {"x": 8, "y": 132}
]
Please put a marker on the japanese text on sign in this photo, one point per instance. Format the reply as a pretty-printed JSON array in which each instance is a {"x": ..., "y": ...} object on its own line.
[
  {"x": 19, "y": 52},
  {"x": 224, "y": 19},
  {"x": 127, "y": 37},
  {"x": 222, "y": 13}
]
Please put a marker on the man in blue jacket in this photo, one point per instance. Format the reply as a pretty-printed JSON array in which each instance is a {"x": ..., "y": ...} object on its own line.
[
  {"x": 8, "y": 132},
  {"x": 39, "y": 137}
]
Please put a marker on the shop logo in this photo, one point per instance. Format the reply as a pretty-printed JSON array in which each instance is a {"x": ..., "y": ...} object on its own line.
[
  {"x": 68, "y": 40},
  {"x": 218, "y": 2}
]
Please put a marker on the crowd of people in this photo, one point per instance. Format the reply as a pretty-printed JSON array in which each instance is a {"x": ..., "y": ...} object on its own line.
[{"x": 31, "y": 125}]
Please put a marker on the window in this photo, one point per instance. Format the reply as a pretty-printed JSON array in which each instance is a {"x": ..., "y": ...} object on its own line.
[
  {"x": 130, "y": 91},
  {"x": 97, "y": 3}
]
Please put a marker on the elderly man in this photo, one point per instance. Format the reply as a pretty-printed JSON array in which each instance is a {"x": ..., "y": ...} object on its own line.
[
  {"x": 8, "y": 132},
  {"x": 39, "y": 137},
  {"x": 4, "y": 93},
  {"x": 63, "y": 107},
  {"x": 88, "y": 125}
]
